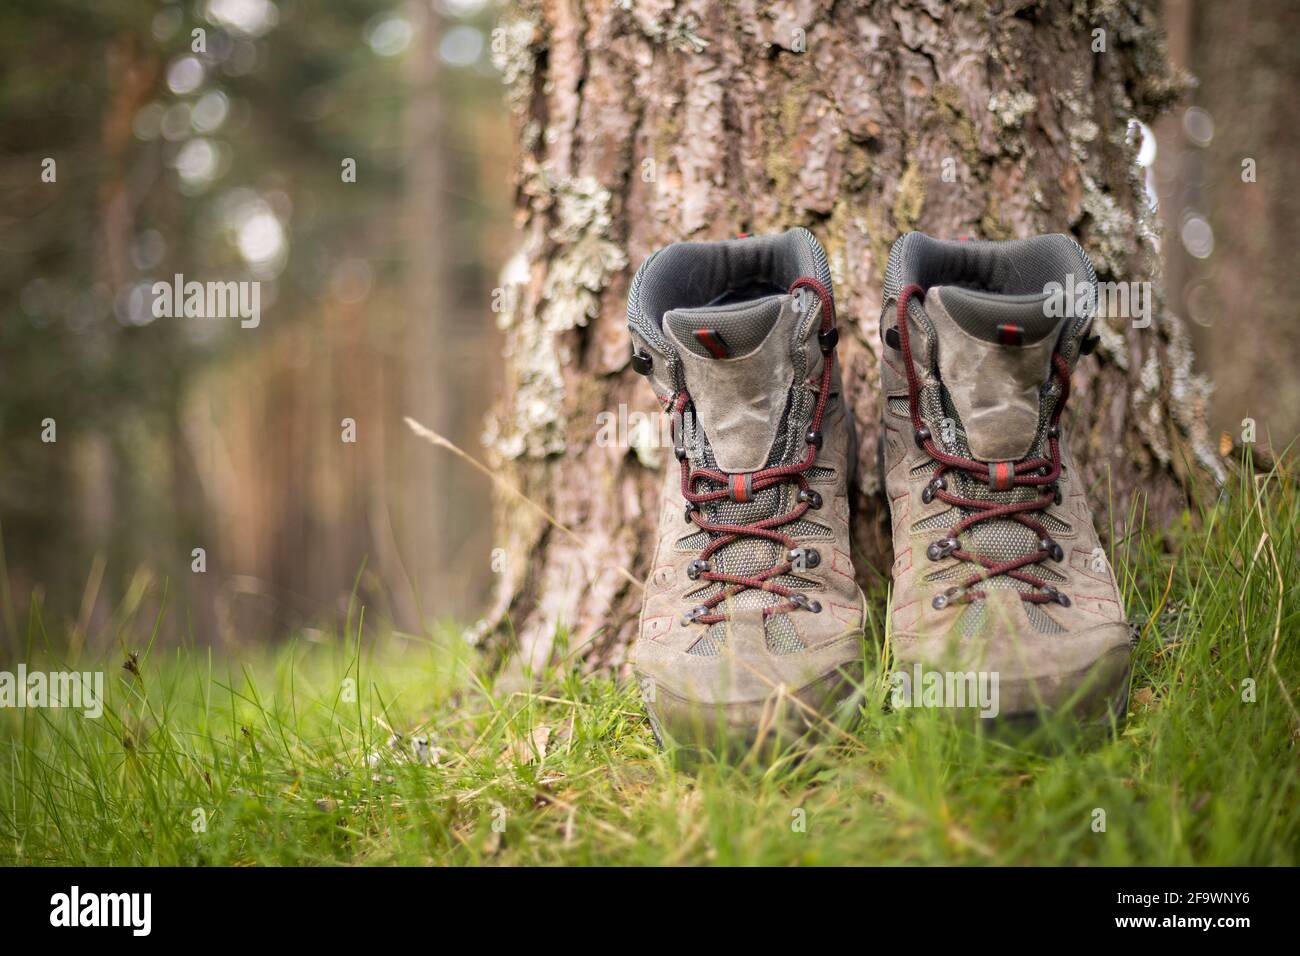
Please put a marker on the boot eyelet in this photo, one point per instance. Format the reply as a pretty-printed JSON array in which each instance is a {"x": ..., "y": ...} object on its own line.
[
  {"x": 1053, "y": 431},
  {"x": 680, "y": 452},
  {"x": 694, "y": 614},
  {"x": 828, "y": 339},
  {"x": 1056, "y": 494},
  {"x": 922, "y": 436},
  {"x": 691, "y": 508},
  {"x": 812, "y": 498},
  {"x": 696, "y": 568},
  {"x": 948, "y": 597},
  {"x": 938, "y": 550},
  {"x": 802, "y": 601},
  {"x": 813, "y": 438},
  {"x": 642, "y": 362},
  {"x": 1054, "y": 550},
  {"x": 934, "y": 487},
  {"x": 1058, "y": 596},
  {"x": 892, "y": 339}
]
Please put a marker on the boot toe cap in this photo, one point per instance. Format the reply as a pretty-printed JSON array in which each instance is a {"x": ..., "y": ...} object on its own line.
[
  {"x": 725, "y": 701},
  {"x": 1084, "y": 673}
]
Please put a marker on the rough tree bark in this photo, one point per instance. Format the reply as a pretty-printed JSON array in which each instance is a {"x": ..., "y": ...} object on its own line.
[{"x": 641, "y": 123}]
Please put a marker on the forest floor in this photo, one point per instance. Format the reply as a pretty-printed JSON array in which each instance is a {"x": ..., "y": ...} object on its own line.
[{"x": 372, "y": 748}]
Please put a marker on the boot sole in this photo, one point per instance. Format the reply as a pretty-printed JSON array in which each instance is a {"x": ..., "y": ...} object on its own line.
[{"x": 700, "y": 732}]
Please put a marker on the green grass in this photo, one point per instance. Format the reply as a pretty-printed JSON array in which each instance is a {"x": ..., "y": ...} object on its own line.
[{"x": 284, "y": 765}]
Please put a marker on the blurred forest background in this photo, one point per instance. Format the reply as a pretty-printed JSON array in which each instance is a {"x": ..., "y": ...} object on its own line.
[
  {"x": 227, "y": 163},
  {"x": 175, "y": 434}
]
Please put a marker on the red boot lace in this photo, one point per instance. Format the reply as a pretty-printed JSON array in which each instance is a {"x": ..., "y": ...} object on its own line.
[
  {"x": 1036, "y": 472},
  {"x": 742, "y": 487}
]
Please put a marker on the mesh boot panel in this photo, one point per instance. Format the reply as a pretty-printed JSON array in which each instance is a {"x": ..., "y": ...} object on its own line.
[{"x": 998, "y": 539}]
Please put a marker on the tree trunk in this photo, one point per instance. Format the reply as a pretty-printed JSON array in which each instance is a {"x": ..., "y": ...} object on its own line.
[
  {"x": 640, "y": 124},
  {"x": 405, "y": 510}
]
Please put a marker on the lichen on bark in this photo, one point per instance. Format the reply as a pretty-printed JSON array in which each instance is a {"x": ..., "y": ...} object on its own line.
[{"x": 581, "y": 260}]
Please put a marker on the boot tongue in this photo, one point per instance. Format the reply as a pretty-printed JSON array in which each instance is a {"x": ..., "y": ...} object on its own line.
[
  {"x": 995, "y": 353},
  {"x": 739, "y": 367},
  {"x": 725, "y": 331}
]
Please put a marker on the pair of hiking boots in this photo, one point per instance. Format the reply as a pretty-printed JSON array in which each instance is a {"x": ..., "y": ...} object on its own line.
[{"x": 753, "y": 621}]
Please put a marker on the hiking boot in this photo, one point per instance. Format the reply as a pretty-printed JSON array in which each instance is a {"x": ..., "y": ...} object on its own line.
[
  {"x": 997, "y": 564},
  {"x": 752, "y": 620}
]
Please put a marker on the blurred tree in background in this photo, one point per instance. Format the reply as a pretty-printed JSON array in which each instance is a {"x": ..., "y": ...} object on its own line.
[
  {"x": 214, "y": 139},
  {"x": 1231, "y": 216}
]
